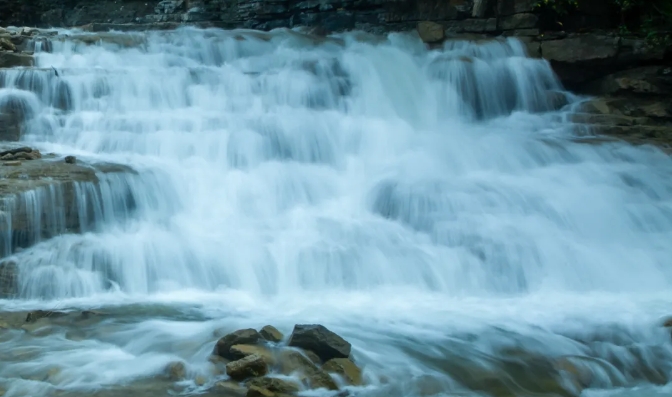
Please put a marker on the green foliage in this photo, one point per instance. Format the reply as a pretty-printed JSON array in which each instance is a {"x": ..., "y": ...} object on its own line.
[{"x": 651, "y": 19}]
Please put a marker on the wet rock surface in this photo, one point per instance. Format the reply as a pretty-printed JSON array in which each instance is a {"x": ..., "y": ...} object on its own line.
[
  {"x": 52, "y": 183},
  {"x": 319, "y": 340}
]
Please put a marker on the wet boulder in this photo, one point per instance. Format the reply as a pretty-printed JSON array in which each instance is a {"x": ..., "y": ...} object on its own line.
[
  {"x": 271, "y": 334},
  {"x": 318, "y": 339},
  {"x": 241, "y": 351},
  {"x": 241, "y": 337},
  {"x": 293, "y": 362},
  {"x": 274, "y": 385},
  {"x": 345, "y": 368},
  {"x": 248, "y": 367}
]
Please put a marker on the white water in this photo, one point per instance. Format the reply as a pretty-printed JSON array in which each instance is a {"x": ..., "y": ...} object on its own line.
[{"x": 425, "y": 205}]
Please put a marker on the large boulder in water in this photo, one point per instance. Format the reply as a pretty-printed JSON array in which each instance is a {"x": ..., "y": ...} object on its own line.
[
  {"x": 241, "y": 337},
  {"x": 320, "y": 340}
]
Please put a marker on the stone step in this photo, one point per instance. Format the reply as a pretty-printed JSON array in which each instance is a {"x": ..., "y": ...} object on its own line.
[{"x": 51, "y": 195}]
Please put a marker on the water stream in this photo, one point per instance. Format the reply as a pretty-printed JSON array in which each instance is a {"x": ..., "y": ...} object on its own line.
[{"x": 430, "y": 206}]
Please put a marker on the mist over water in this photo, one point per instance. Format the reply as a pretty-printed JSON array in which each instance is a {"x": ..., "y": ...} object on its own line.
[{"x": 433, "y": 207}]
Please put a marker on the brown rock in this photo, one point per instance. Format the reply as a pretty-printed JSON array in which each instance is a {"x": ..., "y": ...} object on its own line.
[
  {"x": 248, "y": 367},
  {"x": 271, "y": 334},
  {"x": 346, "y": 368},
  {"x": 275, "y": 385},
  {"x": 319, "y": 339},
  {"x": 241, "y": 351},
  {"x": 240, "y": 337},
  {"x": 70, "y": 159},
  {"x": 668, "y": 323},
  {"x": 15, "y": 163},
  {"x": 431, "y": 32}
]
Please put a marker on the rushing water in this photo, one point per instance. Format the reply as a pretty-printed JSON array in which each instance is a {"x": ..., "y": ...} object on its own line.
[{"x": 430, "y": 206}]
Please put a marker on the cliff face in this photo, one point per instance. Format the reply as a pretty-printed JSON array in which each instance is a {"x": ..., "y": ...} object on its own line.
[
  {"x": 459, "y": 15},
  {"x": 588, "y": 56}
]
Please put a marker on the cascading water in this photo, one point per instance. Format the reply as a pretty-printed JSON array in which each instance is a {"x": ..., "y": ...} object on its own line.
[{"x": 430, "y": 206}]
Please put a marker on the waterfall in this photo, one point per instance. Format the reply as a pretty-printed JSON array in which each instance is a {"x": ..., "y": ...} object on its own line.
[{"x": 431, "y": 205}]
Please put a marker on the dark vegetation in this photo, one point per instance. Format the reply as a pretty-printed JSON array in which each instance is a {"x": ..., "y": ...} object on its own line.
[{"x": 651, "y": 19}]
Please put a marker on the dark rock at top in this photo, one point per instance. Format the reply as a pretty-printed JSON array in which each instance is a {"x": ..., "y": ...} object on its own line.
[
  {"x": 319, "y": 339},
  {"x": 241, "y": 337}
]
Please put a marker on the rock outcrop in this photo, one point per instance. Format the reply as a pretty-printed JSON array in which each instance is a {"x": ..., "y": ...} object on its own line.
[{"x": 30, "y": 182}]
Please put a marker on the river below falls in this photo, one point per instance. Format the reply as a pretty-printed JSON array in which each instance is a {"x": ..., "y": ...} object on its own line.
[{"x": 432, "y": 207}]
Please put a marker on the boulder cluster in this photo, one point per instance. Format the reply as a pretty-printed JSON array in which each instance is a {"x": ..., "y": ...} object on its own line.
[{"x": 265, "y": 363}]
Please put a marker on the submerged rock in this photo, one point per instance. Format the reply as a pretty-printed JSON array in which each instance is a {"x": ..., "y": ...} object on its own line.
[
  {"x": 176, "y": 371},
  {"x": 275, "y": 385},
  {"x": 232, "y": 389},
  {"x": 8, "y": 279},
  {"x": 259, "y": 392},
  {"x": 346, "y": 368},
  {"x": 293, "y": 362},
  {"x": 321, "y": 341},
  {"x": 241, "y": 337},
  {"x": 248, "y": 367},
  {"x": 271, "y": 334}
]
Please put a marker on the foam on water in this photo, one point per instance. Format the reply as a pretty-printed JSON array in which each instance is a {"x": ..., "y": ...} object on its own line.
[{"x": 430, "y": 206}]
